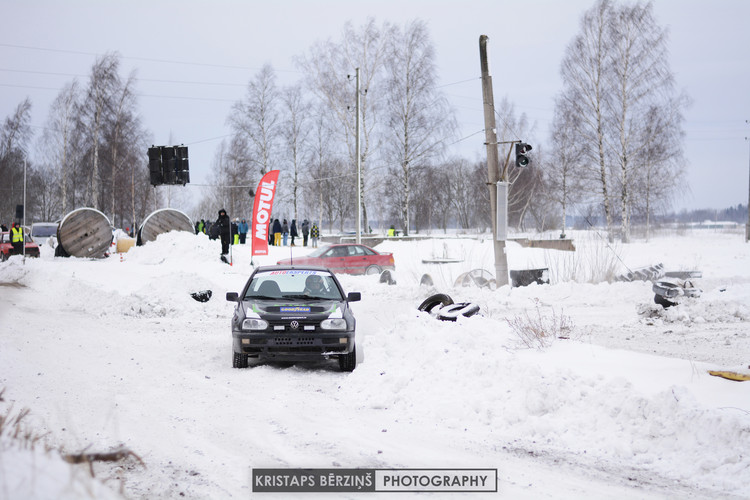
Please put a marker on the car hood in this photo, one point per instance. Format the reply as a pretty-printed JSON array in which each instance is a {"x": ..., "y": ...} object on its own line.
[{"x": 281, "y": 308}]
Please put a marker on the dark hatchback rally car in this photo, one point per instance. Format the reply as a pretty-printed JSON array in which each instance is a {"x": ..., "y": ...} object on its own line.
[
  {"x": 350, "y": 258},
  {"x": 293, "y": 313}
]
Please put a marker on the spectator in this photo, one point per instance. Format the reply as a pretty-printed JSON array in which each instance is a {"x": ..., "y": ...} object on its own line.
[
  {"x": 224, "y": 226},
  {"x": 305, "y": 231},
  {"x": 276, "y": 232},
  {"x": 243, "y": 231},
  {"x": 285, "y": 231},
  {"x": 314, "y": 235},
  {"x": 16, "y": 238},
  {"x": 235, "y": 233},
  {"x": 293, "y": 231}
]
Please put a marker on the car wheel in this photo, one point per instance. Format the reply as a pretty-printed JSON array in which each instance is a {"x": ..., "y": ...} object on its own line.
[
  {"x": 3, "y": 257},
  {"x": 347, "y": 362},
  {"x": 373, "y": 270},
  {"x": 239, "y": 360},
  {"x": 451, "y": 312},
  {"x": 658, "y": 299},
  {"x": 439, "y": 299}
]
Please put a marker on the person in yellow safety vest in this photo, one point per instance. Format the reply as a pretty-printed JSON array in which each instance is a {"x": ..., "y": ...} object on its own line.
[
  {"x": 16, "y": 238},
  {"x": 392, "y": 231}
]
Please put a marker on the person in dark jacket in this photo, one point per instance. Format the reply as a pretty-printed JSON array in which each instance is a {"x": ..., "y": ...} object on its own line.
[
  {"x": 276, "y": 232},
  {"x": 305, "y": 231},
  {"x": 225, "y": 230},
  {"x": 293, "y": 231},
  {"x": 285, "y": 231},
  {"x": 235, "y": 232}
]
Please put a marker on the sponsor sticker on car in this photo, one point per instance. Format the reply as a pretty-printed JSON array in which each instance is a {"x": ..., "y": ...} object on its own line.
[{"x": 294, "y": 309}]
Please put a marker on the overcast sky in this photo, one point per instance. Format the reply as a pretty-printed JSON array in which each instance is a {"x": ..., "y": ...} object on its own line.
[{"x": 194, "y": 58}]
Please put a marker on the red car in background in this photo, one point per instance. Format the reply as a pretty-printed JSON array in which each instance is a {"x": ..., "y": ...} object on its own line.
[
  {"x": 346, "y": 258},
  {"x": 6, "y": 247}
]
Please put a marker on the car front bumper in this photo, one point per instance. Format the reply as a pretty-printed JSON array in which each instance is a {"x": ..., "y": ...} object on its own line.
[{"x": 289, "y": 346}]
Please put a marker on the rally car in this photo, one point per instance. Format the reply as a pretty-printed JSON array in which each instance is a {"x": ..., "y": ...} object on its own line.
[{"x": 293, "y": 313}]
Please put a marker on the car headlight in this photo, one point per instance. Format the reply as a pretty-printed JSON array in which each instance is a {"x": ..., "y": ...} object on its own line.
[
  {"x": 333, "y": 324},
  {"x": 254, "y": 324}
]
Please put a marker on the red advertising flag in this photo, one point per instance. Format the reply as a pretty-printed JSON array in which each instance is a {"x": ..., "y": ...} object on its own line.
[{"x": 262, "y": 212}]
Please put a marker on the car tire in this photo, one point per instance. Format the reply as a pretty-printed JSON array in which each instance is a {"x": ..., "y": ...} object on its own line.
[
  {"x": 239, "y": 360},
  {"x": 451, "y": 312},
  {"x": 373, "y": 270},
  {"x": 387, "y": 277},
  {"x": 439, "y": 299},
  {"x": 665, "y": 303},
  {"x": 348, "y": 361},
  {"x": 3, "y": 257}
]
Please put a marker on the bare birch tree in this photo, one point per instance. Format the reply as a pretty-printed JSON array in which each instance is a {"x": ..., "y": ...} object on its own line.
[
  {"x": 96, "y": 109},
  {"x": 296, "y": 131},
  {"x": 256, "y": 117},
  {"x": 587, "y": 95},
  {"x": 615, "y": 73},
  {"x": 57, "y": 138},
  {"x": 562, "y": 171},
  {"x": 15, "y": 137},
  {"x": 419, "y": 118},
  {"x": 330, "y": 67},
  {"x": 642, "y": 78}
]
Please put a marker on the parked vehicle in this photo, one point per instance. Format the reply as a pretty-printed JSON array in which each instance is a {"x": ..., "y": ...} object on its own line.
[
  {"x": 293, "y": 313},
  {"x": 45, "y": 232},
  {"x": 346, "y": 258},
  {"x": 6, "y": 247}
]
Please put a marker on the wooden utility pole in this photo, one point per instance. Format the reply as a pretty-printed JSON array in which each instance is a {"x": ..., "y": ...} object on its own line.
[
  {"x": 493, "y": 176},
  {"x": 358, "y": 153}
]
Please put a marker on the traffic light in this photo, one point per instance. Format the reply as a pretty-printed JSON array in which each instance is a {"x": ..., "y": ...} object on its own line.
[
  {"x": 168, "y": 163},
  {"x": 521, "y": 159},
  {"x": 182, "y": 167},
  {"x": 154, "y": 166}
]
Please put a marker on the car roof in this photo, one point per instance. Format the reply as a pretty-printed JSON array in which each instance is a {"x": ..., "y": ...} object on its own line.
[{"x": 292, "y": 268}]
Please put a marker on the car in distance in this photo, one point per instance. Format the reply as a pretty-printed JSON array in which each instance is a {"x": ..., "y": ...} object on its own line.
[
  {"x": 293, "y": 313},
  {"x": 346, "y": 258},
  {"x": 6, "y": 247},
  {"x": 45, "y": 232}
]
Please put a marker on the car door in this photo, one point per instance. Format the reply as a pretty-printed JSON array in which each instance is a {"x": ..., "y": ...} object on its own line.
[
  {"x": 334, "y": 259},
  {"x": 356, "y": 260}
]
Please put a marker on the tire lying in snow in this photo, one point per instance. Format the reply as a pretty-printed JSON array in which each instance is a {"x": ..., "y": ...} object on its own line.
[
  {"x": 439, "y": 299},
  {"x": 453, "y": 311},
  {"x": 202, "y": 296}
]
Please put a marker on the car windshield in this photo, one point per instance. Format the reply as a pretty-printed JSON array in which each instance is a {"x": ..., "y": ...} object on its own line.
[
  {"x": 293, "y": 284},
  {"x": 42, "y": 231},
  {"x": 317, "y": 253}
]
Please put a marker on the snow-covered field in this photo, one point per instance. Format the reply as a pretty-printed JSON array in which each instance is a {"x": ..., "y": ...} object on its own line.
[{"x": 109, "y": 353}]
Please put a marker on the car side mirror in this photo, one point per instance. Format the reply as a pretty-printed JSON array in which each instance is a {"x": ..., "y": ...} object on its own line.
[
  {"x": 232, "y": 297},
  {"x": 353, "y": 297}
]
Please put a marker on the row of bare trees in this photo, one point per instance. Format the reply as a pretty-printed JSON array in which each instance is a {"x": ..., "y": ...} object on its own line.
[
  {"x": 307, "y": 130},
  {"x": 614, "y": 149},
  {"x": 90, "y": 152},
  {"x": 617, "y": 133}
]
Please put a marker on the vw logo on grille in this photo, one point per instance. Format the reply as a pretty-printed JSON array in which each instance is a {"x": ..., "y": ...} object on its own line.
[{"x": 294, "y": 325}]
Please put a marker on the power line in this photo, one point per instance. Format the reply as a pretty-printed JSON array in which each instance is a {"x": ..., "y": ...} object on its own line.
[
  {"x": 153, "y": 80},
  {"x": 148, "y": 59}
]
